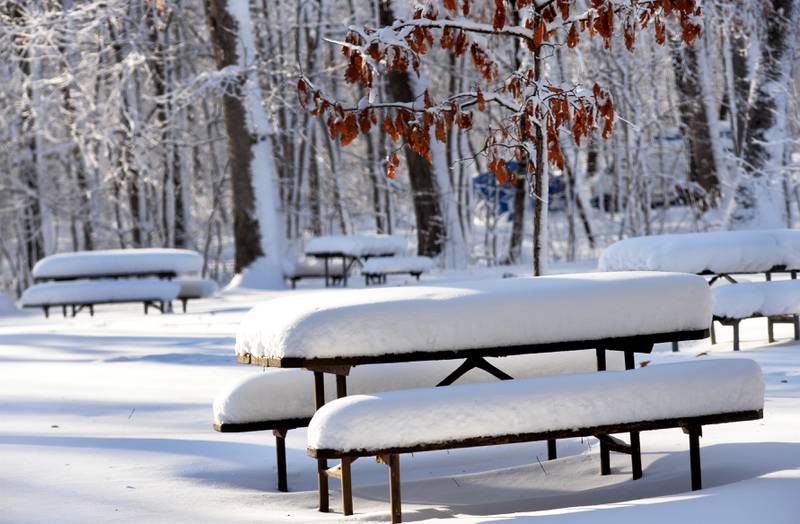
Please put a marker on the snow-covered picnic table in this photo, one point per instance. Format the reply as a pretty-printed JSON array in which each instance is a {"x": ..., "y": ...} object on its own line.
[
  {"x": 84, "y": 279},
  {"x": 471, "y": 321},
  {"x": 721, "y": 255},
  {"x": 353, "y": 249}
]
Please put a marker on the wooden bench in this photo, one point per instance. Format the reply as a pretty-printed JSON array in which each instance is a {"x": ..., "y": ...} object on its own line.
[
  {"x": 375, "y": 270},
  {"x": 86, "y": 294},
  {"x": 778, "y": 301},
  {"x": 280, "y": 400},
  {"x": 194, "y": 288},
  {"x": 685, "y": 395},
  {"x": 305, "y": 268}
]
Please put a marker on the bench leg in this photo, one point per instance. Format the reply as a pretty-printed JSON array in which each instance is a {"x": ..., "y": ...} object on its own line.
[
  {"x": 796, "y": 322},
  {"x": 280, "y": 458},
  {"x": 146, "y": 307},
  {"x": 713, "y": 334},
  {"x": 636, "y": 455},
  {"x": 64, "y": 311},
  {"x": 736, "y": 336},
  {"x": 347, "y": 487},
  {"x": 91, "y": 310},
  {"x": 630, "y": 363},
  {"x": 770, "y": 330},
  {"x": 694, "y": 457},
  {"x": 394, "y": 488},
  {"x": 322, "y": 464},
  {"x": 184, "y": 301},
  {"x": 674, "y": 347},
  {"x": 552, "y": 451}
]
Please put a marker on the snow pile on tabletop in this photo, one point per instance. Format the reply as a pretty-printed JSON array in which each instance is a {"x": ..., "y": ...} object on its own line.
[
  {"x": 781, "y": 297},
  {"x": 278, "y": 394},
  {"x": 118, "y": 262},
  {"x": 408, "y": 418},
  {"x": 97, "y": 291},
  {"x": 197, "y": 287},
  {"x": 397, "y": 265},
  {"x": 310, "y": 267},
  {"x": 716, "y": 252},
  {"x": 475, "y": 314},
  {"x": 357, "y": 245}
]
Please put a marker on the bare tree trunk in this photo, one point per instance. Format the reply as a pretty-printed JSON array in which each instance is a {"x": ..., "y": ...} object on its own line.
[
  {"x": 258, "y": 232},
  {"x": 431, "y": 232},
  {"x": 758, "y": 199},
  {"x": 695, "y": 123}
]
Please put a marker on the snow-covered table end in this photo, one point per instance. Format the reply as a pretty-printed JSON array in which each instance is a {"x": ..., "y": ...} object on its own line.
[{"x": 722, "y": 252}]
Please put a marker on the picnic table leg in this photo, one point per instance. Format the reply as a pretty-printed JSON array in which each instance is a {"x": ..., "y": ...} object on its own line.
[
  {"x": 713, "y": 334},
  {"x": 64, "y": 311},
  {"x": 344, "y": 271},
  {"x": 46, "y": 310},
  {"x": 736, "y": 336},
  {"x": 674, "y": 347},
  {"x": 327, "y": 272},
  {"x": 796, "y": 322},
  {"x": 601, "y": 359},
  {"x": 322, "y": 464},
  {"x": 552, "y": 451},
  {"x": 91, "y": 310},
  {"x": 280, "y": 456}
]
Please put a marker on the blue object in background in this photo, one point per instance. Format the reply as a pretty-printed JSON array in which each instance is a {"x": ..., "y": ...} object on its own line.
[{"x": 487, "y": 188}]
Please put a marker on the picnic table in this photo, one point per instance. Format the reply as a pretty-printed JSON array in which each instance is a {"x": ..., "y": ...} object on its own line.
[
  {"x": 83, "y": 279},
  {"x": 353, "y": 250},
  {"x": 471, "y": 321},
  {"x": 720, "y": 255}
]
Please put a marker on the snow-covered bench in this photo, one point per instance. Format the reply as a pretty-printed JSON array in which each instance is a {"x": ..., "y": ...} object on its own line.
[
  {"x": 685, "y": 395},
  {"x": 296, "y": 270},
  {"x": 353, "y": 249},
  {"x": 375, "y": 270},
  {"x": 283, "y": 399},
  {"x": 192, "y": 288},
  {"x": 118, "y": 263},
  {"x": 778, "y": 301},
  {"x": 80, "y": 294}
]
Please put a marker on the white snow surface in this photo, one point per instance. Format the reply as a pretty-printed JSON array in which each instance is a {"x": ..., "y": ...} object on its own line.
[
  {"x": 101, "y": 290},
  {"x": 276, "y": 394},
  {"x": 387, "y": 265},
  {"x": 118, "y": 262},
  {"x": 432, "y": 415},
  {"x": 746, "y": 299},
  {"x": 717, "y": 252},
  {"x": 475, "y": 314},
  {"x": 357, "y": 245},
  {"x": 196, "y": 287}
]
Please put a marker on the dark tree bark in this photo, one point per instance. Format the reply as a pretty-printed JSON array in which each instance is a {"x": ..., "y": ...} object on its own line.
[
  {"x": 763, "y": 147},
  {"x": 695, "y": 125},
  {"x": 431, "y": 230},
  {"x": 246, "y": 231}
]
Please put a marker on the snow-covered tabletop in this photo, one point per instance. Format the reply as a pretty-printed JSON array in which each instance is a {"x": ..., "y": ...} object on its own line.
[
  {"x": 443, "y": 320},
  {"x": 719, "y": 252},
  {"x": 356, "y": 245},
  {"x": 584, "y": 400},
  {"x": 111, "y": 262}
]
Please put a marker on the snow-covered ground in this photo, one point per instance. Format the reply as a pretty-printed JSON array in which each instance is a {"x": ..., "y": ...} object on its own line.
[{"x": 109, "y": 419}]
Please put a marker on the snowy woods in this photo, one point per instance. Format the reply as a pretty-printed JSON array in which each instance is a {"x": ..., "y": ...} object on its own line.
[{"x": 506, "y": 132}]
